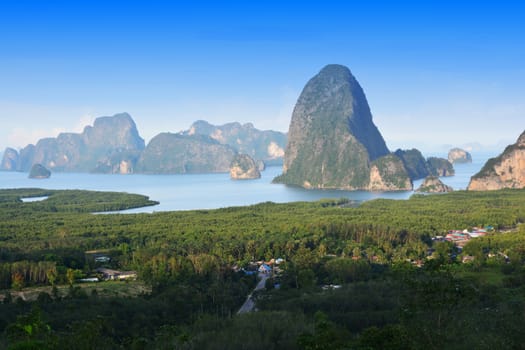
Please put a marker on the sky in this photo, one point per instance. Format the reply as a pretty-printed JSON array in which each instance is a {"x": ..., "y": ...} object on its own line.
[{"x": 436, "y": 73}]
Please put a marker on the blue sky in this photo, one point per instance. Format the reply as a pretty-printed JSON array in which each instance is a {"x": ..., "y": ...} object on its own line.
[{"x": 435, "y": 72}]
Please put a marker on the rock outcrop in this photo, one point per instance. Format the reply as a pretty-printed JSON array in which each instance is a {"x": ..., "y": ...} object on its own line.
[
  {"x": 416, "y": 165},
  {"x": 433, "y": 184},
  {"x": 389, "y": 174},
  {"x": 505, "y": 171},
  {"x": 170, "y": 153},
  {"x": 440, "y": 167},
  {"x": 265, "y": 145},
  {"x": 9, "y": 160},
  {"x": 38, "y": 171},
  {"x": 332, "y": 139},
  {"x": 109, "y": 142},
  {"x": 243, "y": 167},
  {"x": 458, "y": 155}
]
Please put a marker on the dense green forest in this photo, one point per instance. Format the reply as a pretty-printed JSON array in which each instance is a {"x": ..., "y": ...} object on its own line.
[{"x": 353, "y": 277}]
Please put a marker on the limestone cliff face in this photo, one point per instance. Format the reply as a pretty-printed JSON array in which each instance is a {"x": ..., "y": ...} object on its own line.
[
  {"x": 243, "y": 167},
  {"x": 505, "y": 171},
  {"x": 418, "y": 167},
  {"x": 265, "y": 145},
  {"x": 25, "y": 160},
  {"x": 9, "y": 160},
  {"x": 414, "y": 162},
  {"x": 113, "y": 145},
  {"x": 116, "y": 132},
  {"x": 433, "y": 184},
  {"x": 458, "y": 155},
  {"x": 170, "y": 153},
  {"x": 120, "y": 163},
  {"x": 389, "y": 174},
  {"x": 332, "y": 139}
]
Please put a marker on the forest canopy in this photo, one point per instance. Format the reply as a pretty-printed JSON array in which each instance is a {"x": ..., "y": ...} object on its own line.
[{"x": 190, "y": 268}]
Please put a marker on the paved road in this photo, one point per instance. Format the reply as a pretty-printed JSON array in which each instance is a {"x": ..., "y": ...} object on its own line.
[{"x": 249, "y": 304}]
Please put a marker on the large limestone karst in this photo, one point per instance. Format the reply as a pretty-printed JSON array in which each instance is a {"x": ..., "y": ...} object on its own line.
[
  {"x": 110, "y": 143},
  {"x": 169, "y": 153},
  {"x": 265, "y": 145},
  {"x": 332, "y": 140},
  {"x": 113, "y": 145},
  {"x": 414, "y": 162},
  {"x": 505, "y": 171}
]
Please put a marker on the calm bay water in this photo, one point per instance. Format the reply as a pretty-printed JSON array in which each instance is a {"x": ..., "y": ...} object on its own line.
[{"x": 209, "y": 191}]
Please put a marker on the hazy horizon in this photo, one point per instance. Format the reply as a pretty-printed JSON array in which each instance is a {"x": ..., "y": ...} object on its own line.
[
  {"x": 427, "y": 149},
  {"x": 436, "y": 74}
]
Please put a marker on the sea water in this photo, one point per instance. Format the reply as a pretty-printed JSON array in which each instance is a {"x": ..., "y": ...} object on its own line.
[{"x": 209, "y": 191}]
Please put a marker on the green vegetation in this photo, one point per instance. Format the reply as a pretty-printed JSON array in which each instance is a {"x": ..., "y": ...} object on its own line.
[
  {"x": 433, "y": 184},
  {"x": 393, "y": 172},
  {"x": 244, "y": 138},
  {"x": 440, "y": 167},
  {"x": 332, "y": 137},
  {"x": 169, "y": 153},
  {"x": 488, "y": 168},
  {"x": 349, "y": 279},
  {"x": 414, "y": 162},
  {"x": 66, "y": 201}
]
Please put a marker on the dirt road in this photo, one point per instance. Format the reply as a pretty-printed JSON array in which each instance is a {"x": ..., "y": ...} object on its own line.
[{"x": 249, "y": 304}]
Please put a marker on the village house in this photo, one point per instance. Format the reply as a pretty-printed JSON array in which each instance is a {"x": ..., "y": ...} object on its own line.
[
  {"x": 88, "y": 279},
  {"x": 264, "y": 268},
  {"x": 102, "y": 259},
  {"x": 109, "y": 274}
]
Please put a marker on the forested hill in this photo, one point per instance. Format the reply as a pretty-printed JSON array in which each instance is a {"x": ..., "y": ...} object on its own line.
[{"x": 349, "y": 277}]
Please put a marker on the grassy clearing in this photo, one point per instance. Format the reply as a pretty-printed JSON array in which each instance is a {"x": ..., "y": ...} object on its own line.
[{"x": 487, "y": 276}]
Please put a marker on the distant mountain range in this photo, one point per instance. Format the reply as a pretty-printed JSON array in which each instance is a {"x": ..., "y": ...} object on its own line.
[{"x": 113, "y": 145}]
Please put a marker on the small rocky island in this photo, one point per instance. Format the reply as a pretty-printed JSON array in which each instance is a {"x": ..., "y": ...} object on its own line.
[
  {"x": 458, "y": 155},
  {"x": 38, "y": 171},
  {"x": 433, "y": 184},
  {"x": 243, "y": 167}
]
